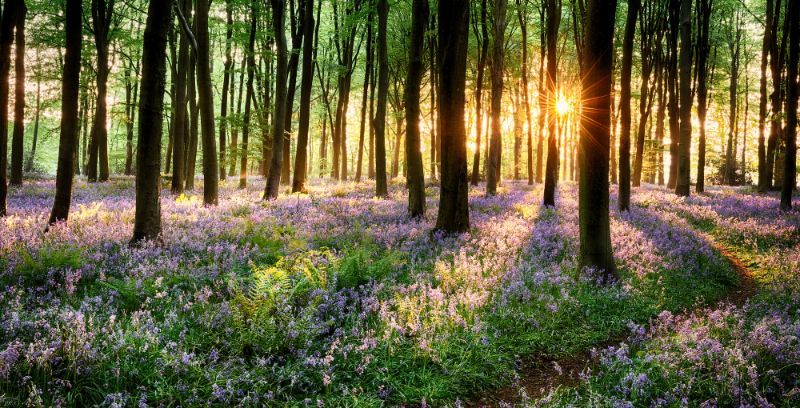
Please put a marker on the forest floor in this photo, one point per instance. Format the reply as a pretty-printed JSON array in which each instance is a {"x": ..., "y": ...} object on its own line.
[{"x": 336, "y": 298}]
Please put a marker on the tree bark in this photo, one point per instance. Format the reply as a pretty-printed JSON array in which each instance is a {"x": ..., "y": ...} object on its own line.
[
  {"x": 227, "y": 78},
  {"x": 306, "y": 84},
  {"x": 68, "y": 138},
  {"x": 279, "y": 113},
  {"x": 763, "y": 181},
  {"x": 624, "y": 199},
  {"x": 704, "y": 20},
  {"x": 484, "y": 56},
  {"x": 551, "y": 170},
  {"x": 453, "y": 30},
  {"x": 17, "y": 145},
  {"x": 682, "y": 187},
  {"x": 206, "y": 93},
  {"x": 6, "y": 40},
  {"x": 595, "y": 233},
  {"x": 416, "y": 67},
  {"x": 249, "y": 94},
  {"x": 147, "y": 222},
  {"x": 365, "y": 99},
  {"x": 381, "y": 187},
  {"x": 102, "y": 16},
  {"x": 790, "y": 161},
  {"x": 179, "y": 122},
  {"x": 493, "y": 176}
]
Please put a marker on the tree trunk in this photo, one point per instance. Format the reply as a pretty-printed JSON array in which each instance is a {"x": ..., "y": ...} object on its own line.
[
  {"x": 35, "y": 141},
  {"x": 296, "y": 30},
  {"x": 306, "y": 84},
  {"x": 6, "y": 40},
  {"x": 381, "y": 187},
  {"x": 279, "y": 113},
  {"x": 624, "y": 200},
  {"x": 776, "y": 68},
  {"x": 416, "y": 67},
  {"x": 68, "y": 138},
  {"x": 542, "y": 95},
  {"x": 102, "y": 16},
  {"x": 703, "y": 19},
  {"x": 790, "y": 161},
  {"x": 17, "y": 145},
  {"x": 227, "y": 78},
  {"x": 484, "y": 56},
  {"x": 672, "y": 81},
  {"x": 453, "y": 31},
  {"x": 206, "y": 93},
  {"x": 763, "y": 181},
  {"x": 365, "y": 99},
  {"x": 523, "y": 23},
  {"x": 147, "y": 222},
  {"x": 595, "y": 233},
  {"x": 249, "y": 94},
  {"x": 493, "y": 176},
  {"x": 551, "y": 171},
  {"x": 179, "y": 122},
  {"x": 682, "y": 186}
]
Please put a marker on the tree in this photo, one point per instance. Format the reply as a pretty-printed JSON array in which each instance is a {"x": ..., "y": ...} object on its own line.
[
  {"x": 551, "y": 167},
  {"x": 205, "y": 91},
  {"x": 306, "y": 82},
  {"x": 484, "y": 56},
  {"x": 522, "y": 16},
  {"x": 763, "y": 178},
  {"x": 790, "y": 163},
  {"x": 703, "y": 19},
  {"x": 279, "y": 113},
  {"x": 68, "y": 137},
  {"x": 228, "y": 77},
  {"x": 381, "y": 187},
  {"x": 147, "y": 222},
  {"x": 179, "y": 110},
  {"x": 416, "y": 67},
  {"x": 102, "y": 18},
  {"x": 453, "y": 17},
  {"x": 17, "y": 145},
  {"x": 6, "y": 39},
  {"x": 595, "y": 233},
  {"x": 250, "y": 67},
  {"x": 685, "y": 69},
  {"x": 624, "y": 200},
  {"x": 494, "y": 173}
]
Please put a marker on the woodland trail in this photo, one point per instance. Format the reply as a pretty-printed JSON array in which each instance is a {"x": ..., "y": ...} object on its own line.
[{"x": 538, "y": 375}]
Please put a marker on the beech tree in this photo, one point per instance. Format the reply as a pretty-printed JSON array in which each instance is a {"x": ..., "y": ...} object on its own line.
[
  {"x": 499, "y": 24},
  {"x": 147, "y": 221},
  {"x": 453, "y": 30},
  {"x": 551, "y": 167},
  {"x": 6, "y": 40},
  {"x": 281, "y": 76},
  {"x": 625, "y": 107},
  {"x": 17, "y": 142},
  {"x": 381, "y": 186},
  {"x": 685, "y": 66},
  {"x": 790, "y": 163},
  {"x": 416, "y": 67}
]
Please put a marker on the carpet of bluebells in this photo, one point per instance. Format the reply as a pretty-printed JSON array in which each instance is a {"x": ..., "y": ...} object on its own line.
[{"x": 337, "y": 298}]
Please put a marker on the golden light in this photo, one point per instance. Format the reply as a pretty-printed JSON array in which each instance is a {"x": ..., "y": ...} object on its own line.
[{"x": 562, "y": 106}]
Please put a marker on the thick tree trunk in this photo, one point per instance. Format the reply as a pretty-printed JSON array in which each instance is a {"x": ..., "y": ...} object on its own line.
[
  {"x": 17, "y": 145},
  {"x": 595, "y": 233},
  {"x": 381, "y": 187},
  {"x": 493, "y": 176},
  {"x": 624, "y": 200},
  {"x": 790, "y": 162},
  {"x": 551, "y": 170},
  {"x": 6, "y": 40},
  {"x": 147, "y": 222},
  {"x": 672, "y": 86},
  {"x": 206, "y": 93},
  {"x": 682, "y": 186},
  {"x": 776, "y": 68},
  {"x": 68, "y": 138},
  {"x": 453, "y": 16},
  {"x": 306, "y": 83},
  {"x": 279, "y": 113},
  {"x": 416, "y": 67}
]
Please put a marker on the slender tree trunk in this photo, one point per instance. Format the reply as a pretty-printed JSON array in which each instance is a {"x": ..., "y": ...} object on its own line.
[
  {"x": 102, "y": 16},
  {"x": 35, "y": 141},
  {"x": 776, "y": 68},
  {"x": 624, "y": 200},
  {"x": 542, "y": 95},
  {"x": 206, "y": 93},
  {"x": 365, "y": 99},
  {"x": 672, "y": 81},
  {"x": 730, "y": 153},
  {"x": 147, "y": 222},
  {"x": 416, "y": 68},
  {"x": 279, "y": 114},
  {"x": 249, "y": 94},
  {"x": 595, "y": 233},
  {"x": 484, "y": 56},
  {"x": 763, "y": 181},
  {"x": 235, "y": 126},
  {"x": 523, "y": 23},
  {"x": 17, "y": 145},
  {"x": 68, "y": 138},
  {"x": 493, "y": 176},
  {"x": 306, "y": 84},
  {"x": 551, "y": 172},
  {"x": 191, "y": 126},
  {"x": 682, "y": 187},
  {"x": 296, "y": 31},
  {"x": 790, "y": 162},
  {"x": 178, "y": 126},
  {"x": 227, "y": 78},
  {"x": 704, "y": 20}
]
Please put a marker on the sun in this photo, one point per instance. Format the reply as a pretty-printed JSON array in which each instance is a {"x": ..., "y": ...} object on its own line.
[{"x": 562, "y": 106}]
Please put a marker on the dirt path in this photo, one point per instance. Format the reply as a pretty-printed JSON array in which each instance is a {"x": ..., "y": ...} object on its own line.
[{"x": 539, "y": 375}]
